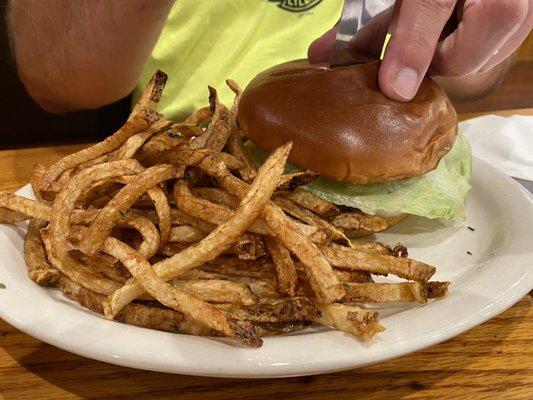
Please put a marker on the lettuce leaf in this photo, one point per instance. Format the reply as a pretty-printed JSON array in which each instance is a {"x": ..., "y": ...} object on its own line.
[{"x": 440, "y": 193}]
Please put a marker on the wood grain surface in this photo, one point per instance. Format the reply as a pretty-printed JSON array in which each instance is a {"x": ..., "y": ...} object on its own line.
[{"x": 491, "y": 361}]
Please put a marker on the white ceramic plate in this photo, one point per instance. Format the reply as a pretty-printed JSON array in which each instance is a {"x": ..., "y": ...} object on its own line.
[{"x": 495, "y": 276}]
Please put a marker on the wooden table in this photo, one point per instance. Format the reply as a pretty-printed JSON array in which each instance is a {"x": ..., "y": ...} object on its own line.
[{"x": 491, "y": 361}]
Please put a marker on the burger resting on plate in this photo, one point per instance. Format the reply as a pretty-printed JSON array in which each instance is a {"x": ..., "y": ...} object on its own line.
[{"x": 373, "y": 154}]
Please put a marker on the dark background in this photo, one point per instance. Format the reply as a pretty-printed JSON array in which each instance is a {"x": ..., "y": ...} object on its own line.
[{"x": 23, "y": 123}]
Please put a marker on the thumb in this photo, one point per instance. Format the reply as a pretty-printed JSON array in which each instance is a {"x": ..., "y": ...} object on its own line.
[{"x": 410, "y": 51}]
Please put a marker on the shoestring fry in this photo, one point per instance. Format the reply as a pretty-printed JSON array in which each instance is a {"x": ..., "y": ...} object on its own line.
[{"x": 169, "y": 225}]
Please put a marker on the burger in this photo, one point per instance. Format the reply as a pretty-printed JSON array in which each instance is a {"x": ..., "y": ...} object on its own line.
[{"x": 374, "y": 155}]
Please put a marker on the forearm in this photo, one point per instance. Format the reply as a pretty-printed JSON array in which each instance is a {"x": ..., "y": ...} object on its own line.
[
  {"x": 79, "y": 54},
  {"x": 474, "y": 86}
]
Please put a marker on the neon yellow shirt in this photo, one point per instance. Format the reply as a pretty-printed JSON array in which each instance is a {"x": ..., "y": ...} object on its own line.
[{"x": 204, "y": 42}]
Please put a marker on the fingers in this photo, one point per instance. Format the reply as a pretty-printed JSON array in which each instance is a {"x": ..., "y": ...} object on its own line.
[
  {"x": 513, "y": 42},
  {"x": 368, "y": 41},
  {"x": 412, "y": 46},
  {"x": 485, "y": 28},
  {"x": 489, "y": 32},
  {"x": 320, "y": 50}
]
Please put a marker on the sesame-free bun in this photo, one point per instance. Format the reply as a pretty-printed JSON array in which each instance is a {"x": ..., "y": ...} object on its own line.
[{"x": 342, "y": 126}]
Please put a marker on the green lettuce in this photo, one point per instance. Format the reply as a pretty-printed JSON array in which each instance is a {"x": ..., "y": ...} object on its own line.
[{"x": 440, "y": 193}]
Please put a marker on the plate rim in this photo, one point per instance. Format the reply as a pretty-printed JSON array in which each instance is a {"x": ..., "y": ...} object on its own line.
[{"x": 308, "y": 368}]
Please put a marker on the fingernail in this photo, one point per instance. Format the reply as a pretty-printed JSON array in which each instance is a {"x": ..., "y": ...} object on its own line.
[{"x": 405, "y": 82}]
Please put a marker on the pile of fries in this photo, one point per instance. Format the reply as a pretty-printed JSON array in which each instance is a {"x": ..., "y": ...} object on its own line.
[{"x": 170, "y": 226}]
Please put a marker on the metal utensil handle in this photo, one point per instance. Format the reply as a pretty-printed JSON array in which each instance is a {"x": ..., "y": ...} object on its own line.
[{"x": 354, "y": 16}]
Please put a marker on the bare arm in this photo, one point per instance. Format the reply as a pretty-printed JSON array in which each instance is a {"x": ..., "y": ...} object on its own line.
[{"x": 83, "y": 54}]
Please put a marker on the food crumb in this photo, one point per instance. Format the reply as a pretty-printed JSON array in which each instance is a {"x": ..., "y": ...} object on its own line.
[
  {"x": 469, "y": 253},
  {"x": 470, "y": 228}
]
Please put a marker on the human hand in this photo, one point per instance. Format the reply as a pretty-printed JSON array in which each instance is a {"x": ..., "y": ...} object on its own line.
[{"x": 426, "y": 37}]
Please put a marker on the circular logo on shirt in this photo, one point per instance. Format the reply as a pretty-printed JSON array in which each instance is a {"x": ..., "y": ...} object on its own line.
[{"x": 296, "y": 5}]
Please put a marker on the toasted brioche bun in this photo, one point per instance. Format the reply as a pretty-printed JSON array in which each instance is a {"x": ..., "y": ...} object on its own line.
[{"x": 341, "y": 124}]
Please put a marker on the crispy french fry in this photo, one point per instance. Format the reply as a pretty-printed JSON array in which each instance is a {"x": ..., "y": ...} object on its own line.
[
  {"x": 130, "y": 147},
  {"x": 216, "y": 195},
  {"x": 285, "y": 268},
  {"x": 356, "y": 224},
  {"x": 200, "y": 115},
  {"x": 290, "y": 182},
  {"x": 319, "y": 206},
  {"x": 218, "y": 213},
  {"x": 20, "y": 208},
  {"x": 183, "y": 156},
  {"x": 64, "y": 202},
  {"x": 353, "y": 276},
  {"x": 171, "y": 249},
  {"x": 319, "y": 272},
  {"x": 210, "y": 212},
  {"x": 173, "y": 298},
  {"x": 152, "y": 92},
  {"x": 321, "y": 276},
  {"x": 135, "y": 142},
  {"x": 186, "y": 130},
  {"x": 23, "y": 206},
  {"x": 148, "y": 231},
  {"x": 279, "y": 328},
  {"x": 242, "y": 268},
  {"x": 231, "y": 162},
  {"x": 138, "y": 122},
  {"x": 214, "y": 243},
  {"x": 376, "y": 263},
  {"x": 219, "y": 129},
  {"x": 181, "y": 218},
  {"x": 217, "y": 291},
  {"x": 39, "y": 269},
  {"x": 101, "y": 226},
  {"x": 186, "y": 234},
  {"x": 372, "y": 247},
  {"x": 8, "y": 216},
  {"x": 76, "y": 271},
  {"x": 278, "y": 310},
  {"x": 160, "y": 143},
  {"x": 164, "y": 215},
  {"x": 360, "y": 221},
  {"x": 105, "y": 265},
  {"x": 234, "y": 144},
  {"x": 310, "y": 218},
  {"x": 349, "y": 319},
  {"x": 36, "y": 180},
  {"x": 99, "y": 160},
  {"x": 235, "y": 88},
  {"x": 135, "y": 314},
  {"x": 247, "y": 169},
  {"x": 249, "y": 247},
  {"x": 394, "y": 292}
]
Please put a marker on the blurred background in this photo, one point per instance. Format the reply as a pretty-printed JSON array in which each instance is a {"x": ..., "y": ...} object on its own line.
[{"x": 24, "y": 124}]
